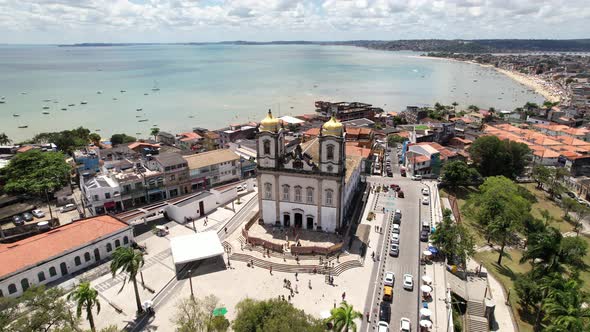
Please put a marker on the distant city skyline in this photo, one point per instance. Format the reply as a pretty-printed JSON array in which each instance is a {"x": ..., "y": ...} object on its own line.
[{"x": 120, "y": 21}]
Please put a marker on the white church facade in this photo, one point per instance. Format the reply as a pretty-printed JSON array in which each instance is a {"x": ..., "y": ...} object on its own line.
[{"x": 310, "y": 187}]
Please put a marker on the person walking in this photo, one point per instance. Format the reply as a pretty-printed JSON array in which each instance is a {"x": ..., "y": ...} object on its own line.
[
  {"x": 226, "y": 230},
  {"x": 296, "y": 289},
  {"x": 343, "y": 296},
  {"x": 271, "y": 270},
  {"x": 309, "y": 284},
  {"x": 296, "y": 274}
]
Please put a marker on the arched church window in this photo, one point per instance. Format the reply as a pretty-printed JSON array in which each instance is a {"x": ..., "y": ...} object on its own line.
[
  {"x": 309, "y": 195},
  {"x": 330, "y": 149},
  {"x": 268, "y": 191},
  {"x": 329, "y": 196},
  {"x": 297, "y": 194},
  {"x": 286, "y": 190},
  {"x": 266, "y": 145}
]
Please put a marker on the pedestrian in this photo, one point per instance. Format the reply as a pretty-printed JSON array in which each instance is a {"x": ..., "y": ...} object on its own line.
[
  {"x": 285, "y": 282},
  {"x": 343, "y": 296},
  {"x": 271, "y": 270},
  {"x": 296, "y": 274},
  {"x": 283, "y": 297},
  {"x": 226, "y": 230},
  {"x": 289, "y": 297},
  {"x": 241, "y": 246},
  {"x": 373, "y": 255},
  {"x": 367, "y": 314},
  {"x": 309, "y": 284},
  {"x": 296, "y": 290},
  {"x": 252, "y": 263},
  {"x": 228, "y": 263},
  {"x": 292, "y": 294}
]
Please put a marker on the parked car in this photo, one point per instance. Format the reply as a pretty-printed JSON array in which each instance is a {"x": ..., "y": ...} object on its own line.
[
  {"x": 424, "y": 235},
  {"x": 425, "y": 191},
  {"x": 18, "y": 220},
  {"x": 382, "y": 327},
  {"x": 571, "y": 194},
  {"x": 416, "y": 177},
  {"x": 27, "y": 216},
  {"x": 395, "y": 228},
  {"x": 425, "y": 200},
  {"x": 400, "y": 194},
  {"x": 67, "y": 207},
  {"x": 385, "y": 312},
  {"x": 394, "y": 250},
  {"x": 389, "y": 279},
  {"x": 405, "y": 325},
  {"x": 38, "y": 213},
  {"x": 394, "y": 186},
  {"x": 395, "y": 238},
  {"x": 408, "y": 282}
]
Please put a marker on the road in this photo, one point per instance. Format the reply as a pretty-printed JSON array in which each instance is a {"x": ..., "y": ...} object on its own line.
[{"x": 405, "y": 303}]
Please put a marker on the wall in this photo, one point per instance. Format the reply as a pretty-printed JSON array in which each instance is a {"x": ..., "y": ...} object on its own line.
[
  {"x": 179, "y": 213},
  {"x": 69, "y": 259}
]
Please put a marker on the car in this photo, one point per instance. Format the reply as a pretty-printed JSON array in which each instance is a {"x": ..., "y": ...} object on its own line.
[
  {"x": 385, "y": 312},
  {"x": 18, "y": 220},
  {"x": 400, "y": 194},
  {"x": 398, "y": 212},
  {"x": 395, "y": 238},
  {"x": 389, "y": 279},
  {"x": 240, "y": 188},
  {"x": 382, "y": 327},
  {"x": 416, "y": 177},
  {"x": 393, "y": 186},
  {"x": 405, "y": 325},
  {"x": 395, "y": 228},
  {"x": 424, "y": 235},
  {"x": 38, "y": 213},
  {"x": 425, "y": 191},
  {"x": 67, "y": 207},
  {"x": 425, "y": 200},
  {"x": 408, "y": 282},
  {"x": 397, "y": 219},
  {"x": 27, "y": 216},
  {"x": 394, "y": 250},
  {"x": 571, "y": 194}
]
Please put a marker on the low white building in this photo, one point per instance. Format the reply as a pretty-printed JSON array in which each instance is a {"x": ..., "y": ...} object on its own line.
[{"x": 53, "y": 255}]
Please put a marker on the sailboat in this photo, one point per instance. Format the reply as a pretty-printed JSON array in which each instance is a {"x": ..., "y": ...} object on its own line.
[{"x": 155, "y": 88}]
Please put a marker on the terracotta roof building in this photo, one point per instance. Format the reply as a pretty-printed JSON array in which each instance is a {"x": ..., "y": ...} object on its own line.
[{"x": 50, "y": 256}]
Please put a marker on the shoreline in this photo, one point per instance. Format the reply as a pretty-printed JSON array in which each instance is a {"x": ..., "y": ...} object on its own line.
[{"x": 540, "y": 86}]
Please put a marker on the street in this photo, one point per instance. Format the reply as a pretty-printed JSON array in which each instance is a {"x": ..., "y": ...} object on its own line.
[{"x": 405, "y": 303}]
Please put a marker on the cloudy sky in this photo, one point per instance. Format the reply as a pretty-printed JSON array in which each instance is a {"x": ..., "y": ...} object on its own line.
[{"x": 71, "y": 21}]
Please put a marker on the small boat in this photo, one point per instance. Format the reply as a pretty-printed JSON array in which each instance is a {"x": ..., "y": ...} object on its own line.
[
  {"x": 45, "y": 107},
  {"x": 45, "y": 112},
  {"x": 190, "y": 116},
  {"x": 474, "y": 80},
  {"x": 143, "y": 120},
  {"x": 46, "y": 100},
  {"x": 96, "y": 129},
  {"x": 98, "y": 92},
  {"x": 2, "y": 101},
  {"x": 23, "y": 93},
  {"x": 2, "y": 97},
  {"x": 137, "y": 134},
  {"x": 145, "y": 94},
  {"x": 16, "y": 115},
  {"x": 83, "y": 102},
  {"x": 122, "y": 91},
  {"x": 55, "y": 101},
  {"x": 292, "y": 107},
  {"x": 138, "y": 116},
  {"x": 64, "y": 109},
  {"x": 155, "y": 88},
  {"x": 139, "y": 109},
  {"x": 21, "y": 127},
  {"x": 71, "y": 105}
]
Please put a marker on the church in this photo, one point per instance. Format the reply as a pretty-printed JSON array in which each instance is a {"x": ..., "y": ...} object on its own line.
[{"x": 309, "y": 187}]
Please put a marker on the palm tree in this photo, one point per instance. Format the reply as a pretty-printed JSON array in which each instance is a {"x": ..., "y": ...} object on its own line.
[
  {"x": 154, "y": 132},
  {"x": 86, "y": 297},
  {"x": 4, "y": 140},
  {"x": 343, "y": 317},
  {"x": 94, "y": 138},
  {"x": 455, "y": 104},
  {"x": 564, "y": 308},
  {"x": 128, "y": 260}
]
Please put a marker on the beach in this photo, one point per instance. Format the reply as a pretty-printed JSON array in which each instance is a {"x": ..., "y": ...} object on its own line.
[{"x": 542, "y": 87}]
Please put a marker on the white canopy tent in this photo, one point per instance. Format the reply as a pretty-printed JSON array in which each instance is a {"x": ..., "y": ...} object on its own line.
[{"x": 194, "y": 247}]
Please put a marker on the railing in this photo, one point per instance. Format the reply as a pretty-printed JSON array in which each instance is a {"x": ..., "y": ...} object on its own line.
[{"x": 313, "y": 250}]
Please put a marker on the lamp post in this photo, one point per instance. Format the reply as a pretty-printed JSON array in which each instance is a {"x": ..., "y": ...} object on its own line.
[
  {"x": 48, "y": 206},
  {"x": 190, "y": 280}
]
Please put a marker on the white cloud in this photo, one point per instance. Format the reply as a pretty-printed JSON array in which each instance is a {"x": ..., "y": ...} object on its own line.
[{"x": 57, "y": 21}]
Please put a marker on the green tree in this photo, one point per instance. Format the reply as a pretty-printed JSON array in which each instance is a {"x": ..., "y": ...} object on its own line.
[
  {"x": 541, "y": 175},
  {"x": 343, "y": 318},
  {"x": 455, "y": 104},
  {"x": 43, "y": 309},
  {"x": 528, "y": 290},
  {"x": 272, "y": 315},
  {"x": 473, "y": 108},
  {"x": 568, "y": 204},
  {"x": 218, "y": 324},
  {"x": 581, "y": 211},
  {"x": 193, "y": 314},
  {"x": 394, "y": 139},
  {"x": 154, "y": 132},
  {"x": 86, "y": 298},
  {"x": 453, "y": 240},
  {"x": 9, "y": 311},
  {"x": 117, "y": 139},
  {"x": 94, "y": 138},
  {"x": 566, "y": 308},
  {"x": 128, "y": 260},
  {"x": 67, "y": 141},
  {"x": 554, "y": 181},
  {"x": 552, "y": 251},
  {"x": 499, "y": 209},
  {"x": 4, "y": 140},
  {"x": 458, "y": 173},
  {"x": 34, "y": 171},
  {"x": 493, "y": 156}
]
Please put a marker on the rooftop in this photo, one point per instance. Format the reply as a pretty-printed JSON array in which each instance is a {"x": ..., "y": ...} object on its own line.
[
  {"x": 169, "y": 159},
  {"x": 39, "y": 248},
  {"x": 213, "y": 157}
]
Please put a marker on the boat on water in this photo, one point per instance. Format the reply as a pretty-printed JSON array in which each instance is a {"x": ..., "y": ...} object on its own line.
[
  {"x": 143, "y": 120},
  {"x": 155, "y": 88},
  {"x": 139, "y": 109},
  {"x": 23, "y": 93},
  {"x": 114, "y": 98},
  {"x": 98, "y": 92},
  {"x": 123, "y": 91},
  {"x": 138, "y": 116},
  {"x": 45, "y": 113},
  {"x": 190, "y": 116},
  {"x": 83, "y": 102},
  {"x": 2, "y": 101},
  {"x": 145, "y": 94},
  {"x": 16, "y": 115},
  {"x": 45, "y": 107},
  {"x": 96, "y": 129},
  {"x": 46, "y": 100},
  {"x": 21, "y": 127},
  {"x": 55, "y": 101},
  {"x": 3, "y": 97},
  {"x": 71, "y": 105},
  {"x": 64, "y": 109}
]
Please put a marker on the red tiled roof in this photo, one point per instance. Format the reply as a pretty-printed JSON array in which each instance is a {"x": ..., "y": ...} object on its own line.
[
  {"x": 36, "y": 249},
  {"x": 357, "y": 151},
  {"x": 24, "y": 149},
  {"x": 312, "y": 132},
  {"x": 189, "y": 136},
  {"x": 134, "y": 145}
]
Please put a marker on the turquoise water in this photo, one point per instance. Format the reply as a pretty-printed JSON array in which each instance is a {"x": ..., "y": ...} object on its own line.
[{"x": 212, "y": 86}]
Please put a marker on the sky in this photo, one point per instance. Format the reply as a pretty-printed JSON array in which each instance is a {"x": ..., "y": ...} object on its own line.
[{"x": 117, "y": 21}]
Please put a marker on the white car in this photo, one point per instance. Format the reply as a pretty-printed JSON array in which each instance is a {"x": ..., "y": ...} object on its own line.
[
  {"x": 425, "y": 201},
  {"x": 388, "y": 279},
  {"x": 395, "y": 238},
  {"x": 416, "y": 177},
  {"x": 408, "y": 282},
  {"x": 395, "y": 228},
  {"x": 425, "y": 191},
  {"x": 405, "y": 325},
  {"x": 67, "y": 207},
  {"x": 383, "y": 327},
  {"x": 38, "y": 213}
]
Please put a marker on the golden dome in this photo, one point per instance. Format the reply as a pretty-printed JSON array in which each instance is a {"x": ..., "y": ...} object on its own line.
[
  {"x": 332, "y": 128},
  {"x": 269, "y": 123}
]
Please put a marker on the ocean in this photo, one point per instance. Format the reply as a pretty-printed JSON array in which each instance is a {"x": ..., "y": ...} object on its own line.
[{"x": 178, "y": 87}]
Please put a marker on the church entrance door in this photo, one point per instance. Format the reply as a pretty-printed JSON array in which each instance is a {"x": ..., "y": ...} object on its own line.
[
  {"x": 309, "y": 222},
  {"x": 298, "y": 220},
  {"x": 287, "y": 220}
]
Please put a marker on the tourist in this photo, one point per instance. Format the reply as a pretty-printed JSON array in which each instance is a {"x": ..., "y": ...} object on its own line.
[
  {"x": 252, "y": 263},
  {"x": 373, "y": 255},
  {"x": 226, "y": 230},
  {"x": 296, "y": 274},
  {"x": 271, "y": 270},
  {"x": 343, "y": 296},
  {"x": 296, "y": 290},
  {"x": 289, "y": 297},
  {"x": 309, "y": 284}
]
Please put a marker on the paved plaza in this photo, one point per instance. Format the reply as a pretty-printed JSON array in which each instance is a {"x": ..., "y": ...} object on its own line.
[{"x": 281, "y": 235}]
